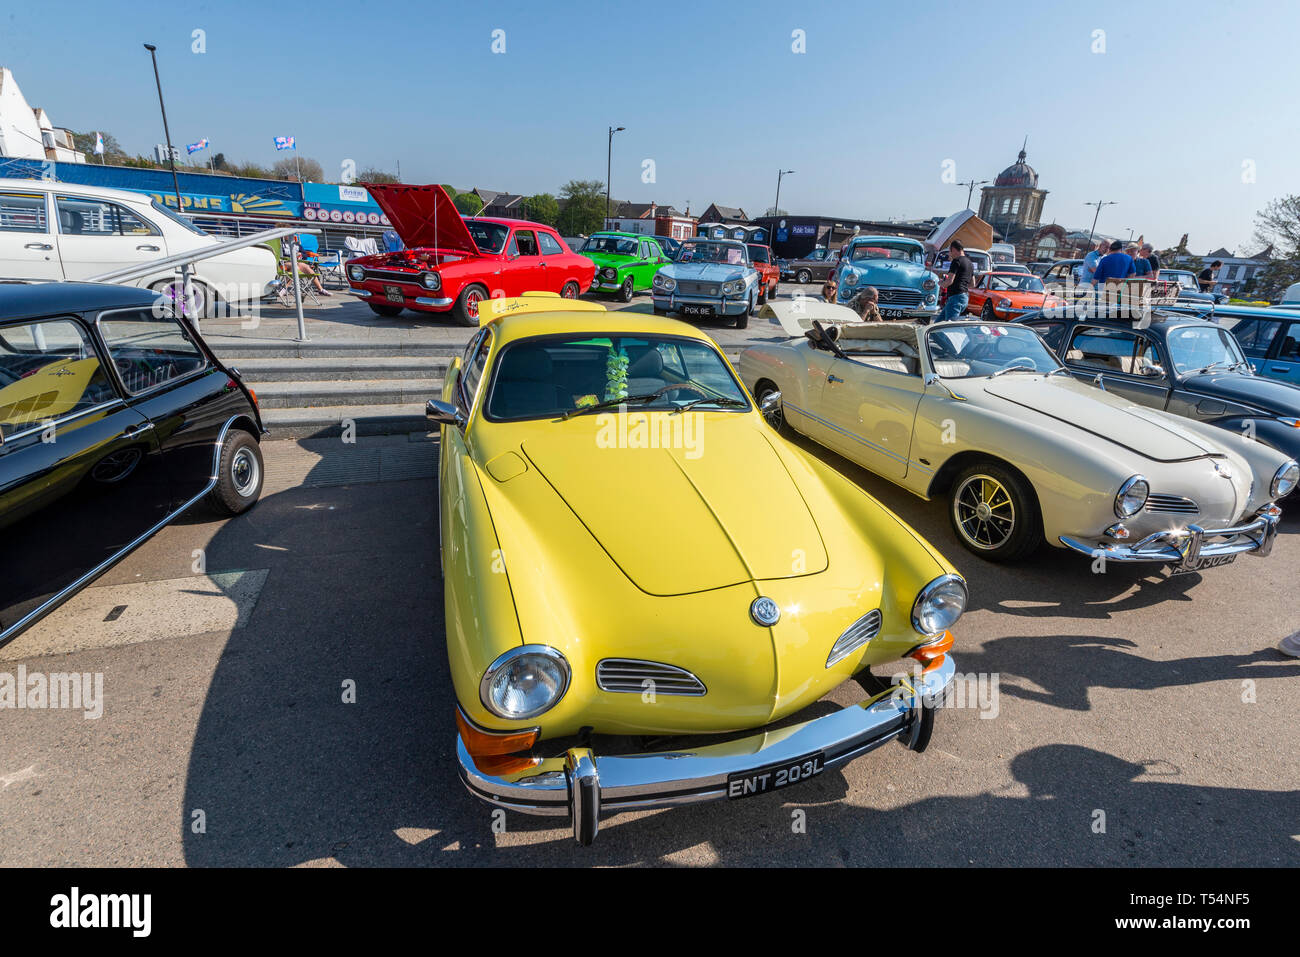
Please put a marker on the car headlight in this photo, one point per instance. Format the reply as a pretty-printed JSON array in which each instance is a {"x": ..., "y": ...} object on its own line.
[
  {"x": 356, "y": 273},
  {"x": 524, "y": 682},
  {"x": 1132, "y": 496},
  {"x": 609, "y": 273},
  {"x": 929, "y": 284},
  {"x": 1004, "y": 304},
  {"x": 850, "y": 279},
  {"x": 1284, "y": 482},
  {"x": 431, "y": 280},
  {"x": 939, "y": 605},
  {"x": 731, "y": 288},
  {"x": 666, "y": 283}
]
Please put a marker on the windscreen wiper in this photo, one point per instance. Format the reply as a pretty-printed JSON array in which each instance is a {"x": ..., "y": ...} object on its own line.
[
  {"x": 716, "y": 400},
  {"x": 628, "y": 400}
]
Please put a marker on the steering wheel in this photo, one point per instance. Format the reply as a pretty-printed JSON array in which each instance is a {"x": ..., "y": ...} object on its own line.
[{"x": 1020, "y": 361}]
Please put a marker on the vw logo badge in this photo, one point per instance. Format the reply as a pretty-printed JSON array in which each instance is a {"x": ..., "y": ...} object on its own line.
[{"x": 765, "y": 611}]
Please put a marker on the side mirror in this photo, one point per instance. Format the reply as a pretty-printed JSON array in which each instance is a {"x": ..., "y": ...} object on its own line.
[
  {"x": 770, "y": 403},
  {"x": 443, "y": 413}
]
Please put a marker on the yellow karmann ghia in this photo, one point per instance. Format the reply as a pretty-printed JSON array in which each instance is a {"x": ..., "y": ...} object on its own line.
[{"x": 629, "y": 550}]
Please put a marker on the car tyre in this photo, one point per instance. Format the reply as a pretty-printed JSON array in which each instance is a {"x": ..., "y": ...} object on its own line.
[
  {"x": 466, "y": 309},
  {"x": 627, "y": 290},
  {"x": 570, "y": 290},
  {"x": 803, "y": 276},
  {"x": 239, "y": 474},
  {"x": 388, "y": 312},
  {"x": 1009, "y": 526},
  {"x": 987, "y": 312}
]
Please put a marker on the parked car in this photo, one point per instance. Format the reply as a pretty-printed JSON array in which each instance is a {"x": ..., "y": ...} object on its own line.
[
  {"x": 1040, "y": 269},
  {"x": 626, "y": 263},
  {"x": 1003, "y": 255},
  {"x": 984, "y": 414},
  {"x": 451, "y": 264},
  {"x": 1189, "y": 290},
  {"x": 1268, "y": 335},
  {"x": 768, "y": 271},
  {"x": 114, "y": 421},
  {"x": 1059, "y": 277},
  {"x": 815, "y": 266},
  {"x": 599, "y": 586},
  {"x": 979, "y": 258},
  {"x": 669, "y": 245},
  {"x": 1186, "y": 366},
  {"x": 710, "y": 277},
  {"x": 61, "y": 231},
  {"x": 1013, "y": 267},
  {"x": 895, "y": 266},
  {"x": 1006, "y": 295}
]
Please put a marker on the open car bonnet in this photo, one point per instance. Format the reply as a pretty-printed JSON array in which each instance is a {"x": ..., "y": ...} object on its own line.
[
  {"x": 677, "y": 521},
  {"x": 424, "y": 216},
  {"x": 1106, "y": 416}
]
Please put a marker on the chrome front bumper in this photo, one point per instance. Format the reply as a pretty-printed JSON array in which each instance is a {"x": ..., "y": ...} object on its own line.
[
  {"x": 582, "y": 785},
  {"x": 1188, "y": 547},
  {"x": 721, "y": 306},
  {"x": 420, "y": 300}
]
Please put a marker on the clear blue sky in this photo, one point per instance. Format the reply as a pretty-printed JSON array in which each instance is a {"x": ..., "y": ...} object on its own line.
[{"x": 1161, "y": 122}]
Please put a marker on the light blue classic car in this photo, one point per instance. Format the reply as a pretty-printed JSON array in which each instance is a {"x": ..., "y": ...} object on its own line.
[
  {"x": 710, "y": 277},
  {"x": 896, "y": 268}
]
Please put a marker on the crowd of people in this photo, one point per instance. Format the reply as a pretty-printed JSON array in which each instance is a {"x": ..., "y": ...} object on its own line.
[{"x": 1114, "y": 262}]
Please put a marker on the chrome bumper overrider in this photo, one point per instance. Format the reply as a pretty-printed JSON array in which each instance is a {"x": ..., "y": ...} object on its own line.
[
  {"x": 1187, "y": 546},
  {"x": 582, "y": 785}
]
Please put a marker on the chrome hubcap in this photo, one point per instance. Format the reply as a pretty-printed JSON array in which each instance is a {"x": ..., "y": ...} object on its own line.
[
  {"x": 774, "y": 417},
  {"x": 244, "y": 472},
  {"x": 984, "y": 511}
]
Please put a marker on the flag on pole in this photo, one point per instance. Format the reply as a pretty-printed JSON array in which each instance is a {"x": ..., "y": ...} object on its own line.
[
  {"x": 285, "y": 143},
  {"x": 99, "y": 144},
  {"x": 195, "y": 147}
]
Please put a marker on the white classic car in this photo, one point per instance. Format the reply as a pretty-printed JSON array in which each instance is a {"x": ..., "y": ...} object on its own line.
[
  {"x": 983, "y": 413},
  {"x": 62, "y": 231}
]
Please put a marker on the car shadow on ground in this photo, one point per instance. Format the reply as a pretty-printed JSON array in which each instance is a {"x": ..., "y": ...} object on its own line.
[{"x": 285, "y": 771}]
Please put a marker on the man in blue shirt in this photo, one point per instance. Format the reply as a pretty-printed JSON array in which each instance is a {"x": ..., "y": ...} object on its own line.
[
  {"x": 1142, "y": 268},
  {"x": 1085, "y": 272},
  {"x": 1115, "y": 267}
]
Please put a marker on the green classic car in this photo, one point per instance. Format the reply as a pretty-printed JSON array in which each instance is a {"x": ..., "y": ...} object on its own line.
[{"x": 625, "y": 262}]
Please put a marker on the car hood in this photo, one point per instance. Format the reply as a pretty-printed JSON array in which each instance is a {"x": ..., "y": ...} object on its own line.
[
  {"x": 889, "y": 272},
  {"x": 1272, "y": 395},
  {"x": 705, "y": 272},
  {"x": 609, "y": 259},
  {"x": 1108, "y": 417},
  {"x": 721, "y": 528},
  {"x": 423, "y": 216}
]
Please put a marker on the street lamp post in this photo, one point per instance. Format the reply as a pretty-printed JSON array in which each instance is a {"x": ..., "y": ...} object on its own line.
[
  {"x": 609, "y": 162},
  {"x": 171, "y": 159},
  {"x": 776, "y": 207},
  {"x": 1099, "y": 204},
  {"x": 971, "y": 192}
]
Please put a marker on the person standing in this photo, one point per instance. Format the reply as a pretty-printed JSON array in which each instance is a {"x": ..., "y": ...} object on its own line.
[
  {"x": 1141, "y": 267},
  {"x": 957, "y": 282},
  {"x": 1152, "y": 260},
  {"x": 1086, "y": 271},
  {"x": 1206, "y": 275},
  {"x": 1115, "y": 266}
]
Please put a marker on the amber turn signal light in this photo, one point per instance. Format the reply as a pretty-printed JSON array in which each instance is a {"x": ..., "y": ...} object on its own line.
[
  {"x": 479, "y": 742},
  {"x": 932, "y": 655}
]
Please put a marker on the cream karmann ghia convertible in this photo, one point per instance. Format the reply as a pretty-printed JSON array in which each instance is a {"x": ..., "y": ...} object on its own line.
[{"x": 984, "y": 413}]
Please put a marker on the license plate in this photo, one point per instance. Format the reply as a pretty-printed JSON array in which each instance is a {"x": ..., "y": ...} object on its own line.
[
  {"x": 892, "y": 313},
  {"x": 775, "y": 776},
  {"x": 697, "y": 310},
  {"x": 393, "y": 293},
  {"x": 1201, "y": 564}
]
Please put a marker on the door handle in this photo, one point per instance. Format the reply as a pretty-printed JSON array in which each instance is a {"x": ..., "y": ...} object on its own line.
[
  {"x": 833, "y": 378},
  {"x": 38, "y": 246},
  {"x": 1281, "y": 369},
  {"x": 137, "y": 429},
  {"x": 152, "y": 249}
]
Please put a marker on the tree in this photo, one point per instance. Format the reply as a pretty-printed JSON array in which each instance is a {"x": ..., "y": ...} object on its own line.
[
  {"x": 372, "y": 175},
  {"x": 542, "y": 208},
  {"x": 289, "y": 167},
  {"x": 219, "y": 162},
  {"x": 584, "y": 209},
  {"x": 468, "y": 203},
  {"x": 1278, "y": 225},
  {"x": 252, "y": 170},
  {"x": 85, "y": 143}
]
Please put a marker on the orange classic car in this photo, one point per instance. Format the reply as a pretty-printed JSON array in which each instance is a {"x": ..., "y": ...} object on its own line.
[{"x": 1008, "y": 295}]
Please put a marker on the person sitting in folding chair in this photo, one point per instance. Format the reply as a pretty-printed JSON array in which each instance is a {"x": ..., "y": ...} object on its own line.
[{"x": 308, "y": 257}]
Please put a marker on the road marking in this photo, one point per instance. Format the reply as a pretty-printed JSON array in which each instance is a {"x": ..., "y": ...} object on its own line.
[
  {"x": 106, "y": 616},
  {"x": 16, "y": 776}
]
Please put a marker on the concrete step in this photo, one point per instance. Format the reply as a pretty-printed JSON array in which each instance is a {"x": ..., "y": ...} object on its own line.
[
  {"x": 312, "y": 393},
  {"x": 259, "y": 370},
  {"x": 330, "y": 422},
  {"x": 233, "y": 349}
]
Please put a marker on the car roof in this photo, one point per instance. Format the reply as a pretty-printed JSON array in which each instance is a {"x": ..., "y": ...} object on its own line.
[
  {"x": 887, "y": 239},
  {"x": 1263, "y": 312},
  {"x": 1159, "y": 317},
  {"x": 74, "y": 189},
  {"x": 620, "y": 232},
  {"x": 525, "y": 325},
  {"x": 29, "y": 300}
]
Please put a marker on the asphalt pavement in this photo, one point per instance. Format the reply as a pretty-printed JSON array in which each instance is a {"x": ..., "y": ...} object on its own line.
[{"x": 276, "y": 692}]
